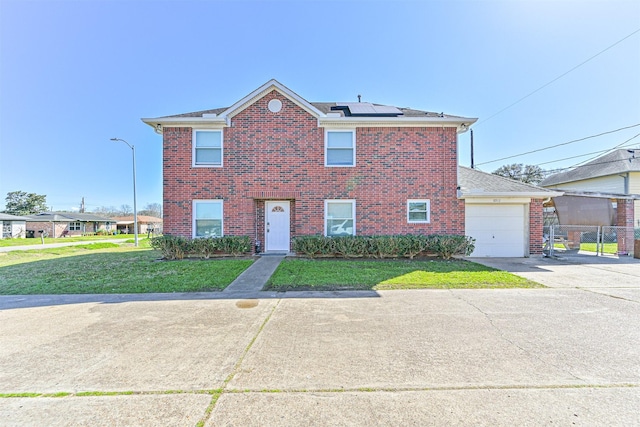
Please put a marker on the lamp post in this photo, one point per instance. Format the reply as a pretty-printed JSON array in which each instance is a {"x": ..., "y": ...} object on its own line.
[{"x": 135, "y": 210}]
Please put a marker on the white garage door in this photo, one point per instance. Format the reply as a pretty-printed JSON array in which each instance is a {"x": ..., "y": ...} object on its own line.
[{"x": 499, "y": 230}]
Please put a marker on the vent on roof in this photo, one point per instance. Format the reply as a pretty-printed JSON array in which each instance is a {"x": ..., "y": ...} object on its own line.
[{"x": 366, "y": 109}]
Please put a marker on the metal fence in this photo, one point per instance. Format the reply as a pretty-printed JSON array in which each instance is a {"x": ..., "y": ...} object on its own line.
[{"x": 589, "y": 240}]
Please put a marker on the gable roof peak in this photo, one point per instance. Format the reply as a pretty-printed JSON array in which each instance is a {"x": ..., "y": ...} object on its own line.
[{"x": 272, "y": 84}]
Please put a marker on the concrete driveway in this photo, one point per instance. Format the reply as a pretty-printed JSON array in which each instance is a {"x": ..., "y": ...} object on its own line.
[{"x": 566, "y": 355}]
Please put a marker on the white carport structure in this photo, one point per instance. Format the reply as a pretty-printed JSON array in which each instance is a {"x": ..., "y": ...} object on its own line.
[{"x": 504, "y": 216}]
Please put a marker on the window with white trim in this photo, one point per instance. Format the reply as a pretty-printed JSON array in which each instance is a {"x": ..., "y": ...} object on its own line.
[
  {"x": 418, "y": 211},
  {"x": 207, "y": 218},
  {"x": 339, "y": 218},
  {"x": 207, "y": 148},
  {"x": 75, "y": 226},
  {"x": 340, "y": 148}
]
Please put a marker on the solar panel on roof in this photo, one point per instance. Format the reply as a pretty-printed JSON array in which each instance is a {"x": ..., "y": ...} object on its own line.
[
  {"x": 386, "y": 109},
  {"x": 368, "y": 109}
]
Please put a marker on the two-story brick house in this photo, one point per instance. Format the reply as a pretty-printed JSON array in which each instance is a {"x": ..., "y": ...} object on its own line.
[{"x": 273, "y": 166}]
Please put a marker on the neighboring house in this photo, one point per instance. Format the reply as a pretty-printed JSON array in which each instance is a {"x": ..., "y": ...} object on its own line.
[
  {"x": 13, "y": 226},
  {"x": 273, "y": 166},
  {"x": 146, "y": 224},
  {"x": 61, "y": 224},
  {"x": 611, "y": 176},
  {"x": 503, "y": 215}
]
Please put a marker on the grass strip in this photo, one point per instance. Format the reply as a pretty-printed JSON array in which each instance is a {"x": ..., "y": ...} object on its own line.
[
  {"x": 323, "y": 274},
  {"x": 109, "y": 270},
  {"x": 38, "y": 241}
]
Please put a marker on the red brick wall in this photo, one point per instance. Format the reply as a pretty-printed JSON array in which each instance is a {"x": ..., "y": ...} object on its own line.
[
  {"x": 625, "y": 213},
  {"x": 283, "y": 153},
  {"x": 536, "y": 224}
]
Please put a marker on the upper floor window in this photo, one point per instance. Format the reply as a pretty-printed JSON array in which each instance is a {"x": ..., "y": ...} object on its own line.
[
  {"x": 418, "y": 211},
  {"x": 340, "y": 148},
  {"x": 207, "y": 218},
  {"x": 207, "y": 147}
]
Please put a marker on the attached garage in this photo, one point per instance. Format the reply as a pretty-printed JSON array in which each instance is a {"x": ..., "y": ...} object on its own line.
[
  {"x": 500, "y": 230},
  {"x": 502, "y": 215}
]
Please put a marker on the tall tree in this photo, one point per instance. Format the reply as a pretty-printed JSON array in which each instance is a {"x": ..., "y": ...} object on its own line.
[
  {"x": 126, "y": 210},
  {"x": 530, "y": 174},
  {"x": 106, "y": 211},
  {"x": 152, "y": 209},
  {"x": 23, "y": 203}
]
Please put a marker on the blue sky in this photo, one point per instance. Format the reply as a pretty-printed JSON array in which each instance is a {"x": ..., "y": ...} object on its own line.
[{"x": 74, "y": 74}]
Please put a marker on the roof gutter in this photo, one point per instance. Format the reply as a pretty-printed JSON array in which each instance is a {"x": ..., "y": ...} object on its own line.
[
  {"x": 496, "y": 194},
  {"x": 462, "y": 124}
]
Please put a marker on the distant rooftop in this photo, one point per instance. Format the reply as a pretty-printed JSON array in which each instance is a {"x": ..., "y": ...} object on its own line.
[{"x": 614, "y": 163}]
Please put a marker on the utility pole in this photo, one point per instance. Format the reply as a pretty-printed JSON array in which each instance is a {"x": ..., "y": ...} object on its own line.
[{"x": 472, "y": 165}]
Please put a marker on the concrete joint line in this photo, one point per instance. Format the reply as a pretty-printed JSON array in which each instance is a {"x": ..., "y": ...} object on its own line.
[
  {"x": 609, "y": 295},
  {"x": 218, "y": 392},
  {"x": 236, "y": 368},
  {"x": 434, "y": 388},
  {"x": 510, "y": 341}
]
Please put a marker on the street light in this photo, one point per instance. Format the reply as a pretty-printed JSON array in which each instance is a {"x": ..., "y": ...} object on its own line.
[{"x": 135, "y": 210}]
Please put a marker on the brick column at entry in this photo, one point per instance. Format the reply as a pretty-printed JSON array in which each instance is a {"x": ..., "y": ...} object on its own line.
[{"x": 625, "y": 219}]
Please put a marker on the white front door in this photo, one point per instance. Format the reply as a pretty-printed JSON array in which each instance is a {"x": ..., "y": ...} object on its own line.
[{"x": 277, "y": 223}]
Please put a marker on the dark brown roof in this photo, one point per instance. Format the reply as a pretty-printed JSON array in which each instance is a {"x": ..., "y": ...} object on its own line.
[{"x": 324, "y": 107}]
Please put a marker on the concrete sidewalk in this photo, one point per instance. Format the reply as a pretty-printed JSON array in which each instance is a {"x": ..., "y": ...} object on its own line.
[
  {"x": 605, "y": 274},
  {"x": 254, "y": 278},
  {"x": 425, "y": 357}
]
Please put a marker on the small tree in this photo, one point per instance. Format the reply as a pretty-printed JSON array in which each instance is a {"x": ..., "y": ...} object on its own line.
[
  {"x": 23, "y": 203},
  {"x": 530, "y": 174}
]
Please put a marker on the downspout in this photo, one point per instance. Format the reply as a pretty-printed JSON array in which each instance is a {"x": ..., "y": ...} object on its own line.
[{"x": 626, "y": 182}]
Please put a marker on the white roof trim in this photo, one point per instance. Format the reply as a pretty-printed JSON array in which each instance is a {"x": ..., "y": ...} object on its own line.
[
  {"x": 471, "y": 194},
  {"x": 600, "y": 195},
  {"x": 462, "y": 124},
  {"x": 265, "y": 89}
]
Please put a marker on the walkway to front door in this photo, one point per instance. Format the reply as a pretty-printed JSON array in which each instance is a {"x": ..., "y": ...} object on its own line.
[{"x": 277, "y": 224}]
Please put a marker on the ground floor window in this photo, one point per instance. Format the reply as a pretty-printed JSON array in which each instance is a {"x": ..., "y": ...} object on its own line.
[
  {"x": 6, "y": 229},
  {"x": 207, "y": 218},
  {"x": 418, "y": 211},
  {"x": 75, "y": 226},
  {"x": 340, "y": 217}
]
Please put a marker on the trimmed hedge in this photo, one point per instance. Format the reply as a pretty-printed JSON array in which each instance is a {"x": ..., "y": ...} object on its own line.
[
  {"x": 401, "y": 246},
  {"x": 177, "y": 247}
]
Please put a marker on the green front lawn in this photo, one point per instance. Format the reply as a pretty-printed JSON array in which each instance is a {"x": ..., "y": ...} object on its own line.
[
  {"x": 107, "y": 268},
  {"x": 38, "y": 240},
  {"x": 318, "y": 274}
]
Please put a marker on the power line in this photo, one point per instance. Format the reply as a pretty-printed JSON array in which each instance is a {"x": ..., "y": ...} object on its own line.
[
  {"x": 609, "y": 150},
  {"x": 550, "y": 172},
  {"x": 561, "y": 144},
  {"x": 557, "y": 78},
  {"x": 588, "y": 154}
]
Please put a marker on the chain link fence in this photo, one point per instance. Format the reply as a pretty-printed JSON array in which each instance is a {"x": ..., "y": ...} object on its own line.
[{"x": 589, "y": 240}]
